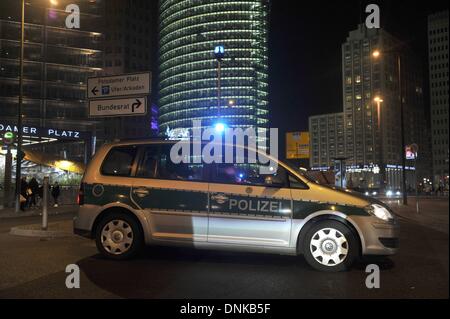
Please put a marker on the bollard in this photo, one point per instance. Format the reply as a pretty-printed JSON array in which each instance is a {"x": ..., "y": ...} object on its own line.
[{"x": 45, "y": 203}]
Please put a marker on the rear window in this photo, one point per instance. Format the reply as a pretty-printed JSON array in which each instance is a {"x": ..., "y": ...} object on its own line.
[{"x": 119, "y": 161}]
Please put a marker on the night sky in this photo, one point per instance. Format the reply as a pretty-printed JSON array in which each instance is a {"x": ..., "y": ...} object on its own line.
[{"x": 305, "y": 51}]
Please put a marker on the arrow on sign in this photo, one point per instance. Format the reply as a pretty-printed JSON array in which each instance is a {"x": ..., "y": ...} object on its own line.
[
  {"x": 94, "y": 90},
  {"x": 136, "y": 105}
]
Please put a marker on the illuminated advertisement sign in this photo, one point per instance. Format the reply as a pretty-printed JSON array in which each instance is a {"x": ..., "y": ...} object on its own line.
[
  {"x": 56, "y": 133},
  {"x": 411, "y": 152},
  {"x": 297, "y": 145}
]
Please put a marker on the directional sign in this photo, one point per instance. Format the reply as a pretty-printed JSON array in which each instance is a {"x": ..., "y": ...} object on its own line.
[
  {"x": 132, "y": 106},
  {"x": 119, "y": 86}
]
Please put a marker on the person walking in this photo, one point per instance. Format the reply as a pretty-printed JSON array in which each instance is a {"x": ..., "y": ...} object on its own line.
[
  {"x": 55, "y": 194},
  {"x": 23, "y": 193},
  {"x": 34, "y": 186},
  {"x": 40, "y": 195}
]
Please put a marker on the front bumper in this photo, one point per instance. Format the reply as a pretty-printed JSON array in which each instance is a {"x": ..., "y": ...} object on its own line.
[{"x": 378, "y": 237}]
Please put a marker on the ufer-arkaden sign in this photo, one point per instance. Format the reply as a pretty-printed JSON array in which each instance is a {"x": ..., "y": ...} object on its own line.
[{"x": 119, "y": 86}]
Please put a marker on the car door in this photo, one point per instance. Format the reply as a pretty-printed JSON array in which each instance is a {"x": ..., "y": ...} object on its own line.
[
  {"x": 244, "y": 210},
  {"x": 174, "y": 196}
]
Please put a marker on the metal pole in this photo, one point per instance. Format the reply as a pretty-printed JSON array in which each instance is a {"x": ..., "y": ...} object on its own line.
[
  {"x": 7, "y": 178},
  {"x": 415, "y": 181},
  {"x": 382, "y": 168},
  {"x": 402, "y": 120},
  {"x": 45, "y": 203},
  {"x": 219, "y": 93},
  {"x": 19, "y": 111}
]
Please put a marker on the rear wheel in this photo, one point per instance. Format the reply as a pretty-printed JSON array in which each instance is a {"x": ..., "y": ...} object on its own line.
[
  {"x": 119, "y": 236},
  {"x": 330, "y": 246}
]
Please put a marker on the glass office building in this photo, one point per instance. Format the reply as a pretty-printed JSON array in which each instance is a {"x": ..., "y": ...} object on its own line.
[
  {"x": 189, "y": 33},
  {"x": 57, "y": 63}
]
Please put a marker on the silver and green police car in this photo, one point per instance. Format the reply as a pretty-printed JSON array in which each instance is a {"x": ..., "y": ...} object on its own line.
[{"x": 133, "y": 194}]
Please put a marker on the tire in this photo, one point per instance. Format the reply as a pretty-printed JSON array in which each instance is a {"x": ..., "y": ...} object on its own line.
[
  {"x": 119, "y": 236},
  {"x": 330, "y": 246}
]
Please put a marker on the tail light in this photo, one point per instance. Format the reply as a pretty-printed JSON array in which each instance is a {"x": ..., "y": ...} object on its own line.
[{"x": 80, "y": 197}]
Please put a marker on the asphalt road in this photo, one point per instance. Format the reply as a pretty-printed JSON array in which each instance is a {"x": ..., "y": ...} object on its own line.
[{"x": 34, "y": 268}]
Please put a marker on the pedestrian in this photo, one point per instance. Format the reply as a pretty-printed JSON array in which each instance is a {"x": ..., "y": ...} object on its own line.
[
  {"x": 41, "y": 195},
  {"x": 55, "y": 193},
  {"x": 23, "y": 193},
  {"x": 34, "y": 186}
]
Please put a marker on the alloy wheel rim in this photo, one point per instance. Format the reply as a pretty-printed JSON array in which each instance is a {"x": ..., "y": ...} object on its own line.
[
  {"x": 117, "y": 237},
  {"x": 329, "y": 247}
]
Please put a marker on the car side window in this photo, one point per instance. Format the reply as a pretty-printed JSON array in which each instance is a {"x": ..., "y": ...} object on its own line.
[
  {"x": 119, "y": 161},
  {"x": 157, "y": 164},
  {"x": 148, "y": 166},
  {"x": 295, "y": 183},
  {"x": 180, "y": 172},
  {"x": 248, "y": 174}
]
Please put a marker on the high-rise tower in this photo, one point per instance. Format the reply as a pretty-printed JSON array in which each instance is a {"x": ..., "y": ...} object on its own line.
[{"x": 189, "y": 31}]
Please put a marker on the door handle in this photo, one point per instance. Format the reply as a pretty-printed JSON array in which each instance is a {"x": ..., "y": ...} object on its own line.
[
  {"x": 219, "y": 198},
  {"x": 141, "y": 192}
]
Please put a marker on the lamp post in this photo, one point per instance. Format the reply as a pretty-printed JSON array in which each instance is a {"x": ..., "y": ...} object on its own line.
[
  {"x": 19, "y": 111},
  {"x": 379, "y": 100},
  {"x": 219, "y": 53},
  {"x": 20, "y": 106},
  {"x": 377, "y": 54}
]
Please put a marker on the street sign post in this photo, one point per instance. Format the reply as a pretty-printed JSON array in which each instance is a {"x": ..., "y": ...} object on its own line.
[
  {"x": 132, "y": 106},
  {"x": 119, "y": 86}
]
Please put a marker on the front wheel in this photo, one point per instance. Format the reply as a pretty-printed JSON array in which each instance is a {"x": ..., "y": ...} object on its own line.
[
  {"x": 118, "y": 236},
  {"x": 330, "y": 246}
]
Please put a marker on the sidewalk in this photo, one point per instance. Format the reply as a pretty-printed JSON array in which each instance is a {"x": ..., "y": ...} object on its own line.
[
  {"x": 433, "y": 212},
  {"x": 60, "y": 229},
  {"x": 64, "y": 209}
]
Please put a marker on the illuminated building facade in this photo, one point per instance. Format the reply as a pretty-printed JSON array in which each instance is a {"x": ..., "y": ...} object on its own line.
[
  {"x": 327, "y": 140},
  {"x": 371, "y": 141},
  {"x": 57, "y": 63},
  {"x": 438, "y": 64},
  {"x": 188, "y": 89}
]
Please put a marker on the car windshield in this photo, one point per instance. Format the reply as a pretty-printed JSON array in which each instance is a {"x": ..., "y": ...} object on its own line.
[{"x": 305, "y": 174}]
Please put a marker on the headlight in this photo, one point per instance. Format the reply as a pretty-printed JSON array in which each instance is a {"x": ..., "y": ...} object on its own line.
[
  {"x": 379, "y": 212},
  {"x": 389, "y": 193}
]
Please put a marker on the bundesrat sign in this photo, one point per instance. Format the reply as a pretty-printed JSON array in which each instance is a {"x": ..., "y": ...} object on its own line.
[{"x": 118, "y": 107}]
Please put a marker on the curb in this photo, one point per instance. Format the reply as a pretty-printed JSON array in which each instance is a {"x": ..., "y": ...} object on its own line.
[
  {"x": 66, "y": 210},
  {"x": 17, "y": 231}
]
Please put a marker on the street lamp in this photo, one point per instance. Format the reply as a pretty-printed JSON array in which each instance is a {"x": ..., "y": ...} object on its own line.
[
  {"x": 219, "y": 54},
  {"x": 19, "y": 108},
  {"x": 379, "y": 100},
  {"x": 377, "y": 54}
]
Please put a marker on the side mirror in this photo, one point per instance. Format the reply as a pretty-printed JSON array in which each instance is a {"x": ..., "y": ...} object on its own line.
[{"x": 274, "y": 181}]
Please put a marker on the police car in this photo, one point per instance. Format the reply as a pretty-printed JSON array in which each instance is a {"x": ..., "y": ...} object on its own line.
[{"x": 132, "y": 194}]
